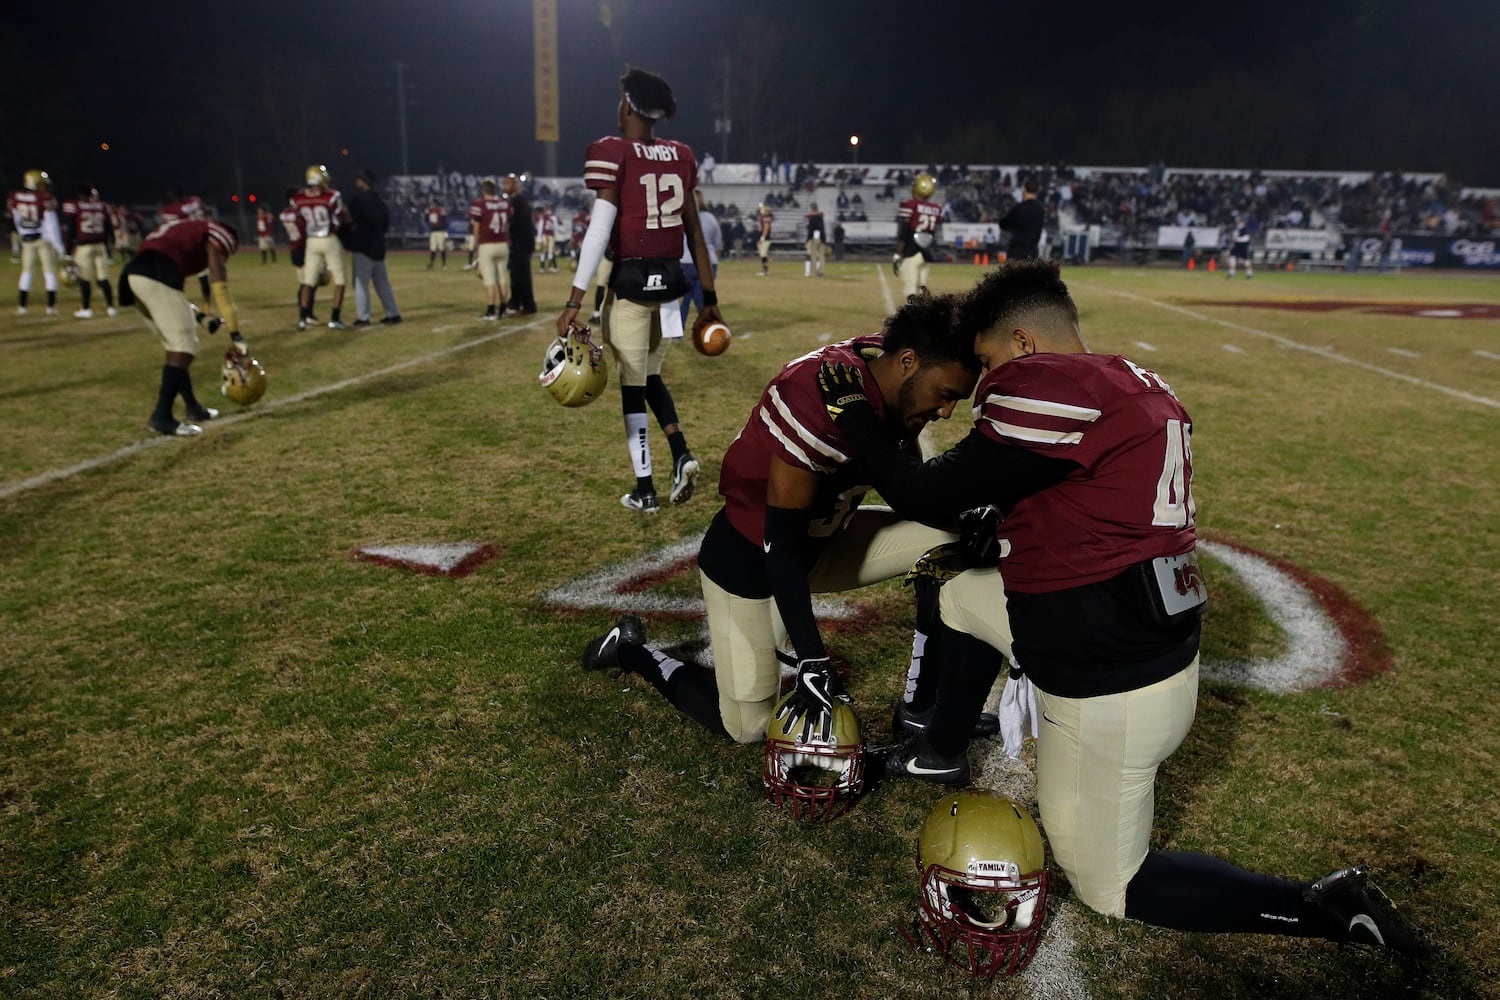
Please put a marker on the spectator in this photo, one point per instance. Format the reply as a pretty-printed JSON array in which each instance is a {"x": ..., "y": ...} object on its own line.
[{"x": 371, "y": 223}]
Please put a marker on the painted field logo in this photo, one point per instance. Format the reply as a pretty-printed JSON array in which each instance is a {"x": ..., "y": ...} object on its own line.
[{"x": 1330, "y": 641}]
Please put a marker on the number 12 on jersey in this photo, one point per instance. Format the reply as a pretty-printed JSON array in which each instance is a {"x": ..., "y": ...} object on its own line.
[{"x": 1174, "y": 499}]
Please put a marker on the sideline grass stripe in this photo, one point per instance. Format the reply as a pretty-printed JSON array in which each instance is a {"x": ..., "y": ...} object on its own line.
[
  {"x": 57, "y": 475},
  {"x": 1326, "y": 353}
]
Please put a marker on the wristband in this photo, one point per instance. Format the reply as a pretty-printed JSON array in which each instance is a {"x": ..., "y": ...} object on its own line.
[
  {"x": 573, "y": 305},
  {"x": 710, "y": 297}
]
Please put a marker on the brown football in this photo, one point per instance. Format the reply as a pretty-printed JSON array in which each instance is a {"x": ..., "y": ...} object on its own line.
[{"x": 713, "y": 340}]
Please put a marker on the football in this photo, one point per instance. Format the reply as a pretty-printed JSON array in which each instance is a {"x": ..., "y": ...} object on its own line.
[{"x": 713, "y": 340}]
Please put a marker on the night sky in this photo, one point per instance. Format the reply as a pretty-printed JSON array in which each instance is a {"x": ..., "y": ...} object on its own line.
[{"x": 185, "y": 91}]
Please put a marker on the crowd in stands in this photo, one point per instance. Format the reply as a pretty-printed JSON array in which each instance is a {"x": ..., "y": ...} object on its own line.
[{"x": 1155, "y": 196}]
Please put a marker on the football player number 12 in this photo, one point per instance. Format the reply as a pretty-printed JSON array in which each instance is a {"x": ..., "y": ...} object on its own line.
[
  {"x": 663, "y": 213},
  {"x": 1174, "y": 501}
]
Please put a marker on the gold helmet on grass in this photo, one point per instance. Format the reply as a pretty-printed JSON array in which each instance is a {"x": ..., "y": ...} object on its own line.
[
  {"x": 984, "y": 882},
  {"x": 244, "y": 379}
]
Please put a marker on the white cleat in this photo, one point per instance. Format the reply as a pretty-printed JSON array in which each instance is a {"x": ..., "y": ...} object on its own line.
[
  {"x": 112, "y": 311},
  {"x": 83, "y": 314},
  {"x": 52, "y": 311},
  {"x": 21, "y": 310}
]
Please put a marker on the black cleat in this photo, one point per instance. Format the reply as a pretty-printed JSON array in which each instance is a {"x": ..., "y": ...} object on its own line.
[
  {"x": 202, "y": 414},
  {"x": 906, "y": 722},
  {"x": 914, "y": 758},
  {"x": 643, "y": 501},
  {"x": 1359, "y": 913},
  {"x": 684, "y": 473},
  {"x": 604, "y": 652}
]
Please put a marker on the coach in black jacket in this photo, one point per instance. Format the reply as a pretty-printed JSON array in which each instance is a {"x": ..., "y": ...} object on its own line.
[
  {"x": 1024, "y": 223},
  {"x": 367, "y": 242},
  {"x": 522, "y": 243}
]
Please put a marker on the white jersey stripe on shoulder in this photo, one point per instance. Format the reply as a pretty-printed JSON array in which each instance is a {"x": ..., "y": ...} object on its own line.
[
  {"x": 598, "y": 175},
  {"x": 1036, "y": 435},
  {"x": 1043, "y": 406},
  {"x": 806, "y": 435},
  {"x": 790, "y": 445},
  {"x": 601, "y": 164}
]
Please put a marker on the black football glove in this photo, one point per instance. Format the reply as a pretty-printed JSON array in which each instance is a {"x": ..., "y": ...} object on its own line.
[
  {"x": 811, "y": 703},
  {"x": 977, "y": 533},
  {"x": 841, "y": 386}
]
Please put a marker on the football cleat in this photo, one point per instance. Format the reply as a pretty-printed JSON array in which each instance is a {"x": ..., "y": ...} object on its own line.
[
  {"x": 604, "y": 652},
  {"x": 112, "y": 311},
  {"x": 335, "y": 324},
  {"x": 202, "y": 414},
  {"x": 83, "y": 314},
  {"x": 645, "y": 502},
  {"x": 906, "y": 722},
  {"x": 390, "y": 320},
  {"x": 684, "y": 471},
  {"x": 302, "y": 324},
  {"x": 1361, "y": 914},
  {"x": 361, "y": 322},
  {"x": 174, "y": 428},
  {"x": 21, "y": 310},
  {"x": 914, "y": 758},
  {"x": 489, "y": 317},
  {"x": 52, "y": 310}
]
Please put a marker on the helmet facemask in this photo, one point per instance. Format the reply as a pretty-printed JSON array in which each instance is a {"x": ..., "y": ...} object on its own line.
[
  {"x": 819, "y": 779},
  {"x": 990, "y": 926}
]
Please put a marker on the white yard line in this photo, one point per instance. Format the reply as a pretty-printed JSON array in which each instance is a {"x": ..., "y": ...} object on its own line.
[
  {"x": 1326, "y": 353},
  {"x": 885, "y": 290},
  {"x": 57, "y": 475},
  {"x": 1145, "y": 346}
]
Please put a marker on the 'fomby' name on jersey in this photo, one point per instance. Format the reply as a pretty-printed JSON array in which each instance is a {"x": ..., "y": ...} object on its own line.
[{"x": 666, "y": 154}]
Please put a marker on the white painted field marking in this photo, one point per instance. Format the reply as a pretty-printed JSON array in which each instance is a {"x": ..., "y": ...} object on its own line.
[
  {"x": 1326, "y": 353},
  {"x": 1232, "y": 349},
  {"x": 445, "y": 328},
  {"x": 1403, "y": 352},
  {"x": 1488, "y": 355},
  {"x": 1144, "y": 346},
  {"x": 57, "y": 475}
]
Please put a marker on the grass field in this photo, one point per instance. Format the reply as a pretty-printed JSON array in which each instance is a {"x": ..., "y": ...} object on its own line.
[{"x": 237, "y": 762}]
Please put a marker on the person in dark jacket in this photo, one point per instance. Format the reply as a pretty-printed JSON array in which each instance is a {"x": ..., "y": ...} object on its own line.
[
  {"x": 1024, "y": 223},
  {"x": 522, "y": 243},
  {"x": 367, "y": 243}
]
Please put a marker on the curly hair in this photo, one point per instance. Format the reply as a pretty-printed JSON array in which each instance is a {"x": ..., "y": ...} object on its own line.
[
  {"x": 926, "y": 325},
  {"x": 1013, "y": 291},
  {"x": 648, "y": 95}
]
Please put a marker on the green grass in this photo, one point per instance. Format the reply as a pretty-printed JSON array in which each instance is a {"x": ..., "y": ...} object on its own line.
[{"x": 235, "y": 761}]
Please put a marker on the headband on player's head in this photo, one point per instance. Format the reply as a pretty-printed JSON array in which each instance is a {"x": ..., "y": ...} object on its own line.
[{"x": 651, "y": 113}]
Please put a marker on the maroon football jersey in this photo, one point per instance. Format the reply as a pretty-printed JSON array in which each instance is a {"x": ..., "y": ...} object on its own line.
[
  {"x": 491, "y": 216},
  {"x": 88, "y": 219},
  {"x": 27, "y": 208},
  {"x": 186, "y": 241},
  {"x": 263, "y": 225},
  {"x": 654, "y": 180},
  {"x": 291, "y": 221},
  {"x": 791, "y": 423},
  {"x": 1131, "y": 501},
  {"x": 190, "y": 207},
  {"x": 117, "y": 219},
  {"x": 437, "y": 219},
  {"x": 921, "y": 215},
  {"x": 319, "y": 209}
]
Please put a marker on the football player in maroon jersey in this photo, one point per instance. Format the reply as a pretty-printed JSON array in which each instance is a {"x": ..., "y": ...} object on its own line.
[
  {"x": 643, "y": 209},
  {"x": 489, "y": 224},
  {"x": 917, "y": 221},
  {"x": 1089, "y": 458},
  {"x": 33, "y": 211},
  {"x": 763, "y": 220},
  {"x": 792, "y": 525},
  {"x": 546, "y": 237},
  {"x": 153, "y": 281},
  {"x": 89, "y": 232},
  {"x": 185, "y": 206},
  {"x": 265, "y": 236},
  {"x": 321, "y": 210},
  {"x": 437, "y": 233},
  {"x": 296, "y": 238}
]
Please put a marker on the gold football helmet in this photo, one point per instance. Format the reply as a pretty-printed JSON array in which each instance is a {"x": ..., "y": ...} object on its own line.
[
  {"x": 70, "y": 275},
  {"x": 244, "y": 379},
  {"x": 317, "y": 176},
  {"x": 818, "y": 779},
  {"x": 984, "y": 882},
  {"x": 35, "y": 180},
  {"x": 923, "y": 185},
  {"x": 573, "y": 369}
]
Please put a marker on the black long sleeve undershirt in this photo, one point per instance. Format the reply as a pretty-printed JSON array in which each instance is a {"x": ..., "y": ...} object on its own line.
[
  {"x": 786, "y": 559},
  {"x": 976, "y": 472}
]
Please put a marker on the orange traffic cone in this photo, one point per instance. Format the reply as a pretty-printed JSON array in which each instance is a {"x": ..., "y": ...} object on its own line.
[
  {"x": 1213, "y": 264},
  {"x": 1290, "y": 266},
  {"x": 1192, "y": 263},
  {"x": 986, "y": 260}
]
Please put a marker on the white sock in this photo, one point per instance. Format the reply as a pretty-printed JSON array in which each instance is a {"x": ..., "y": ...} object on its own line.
[
  {"x": 918, "y": 649},
  {"x": 664, "y": 663}
]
